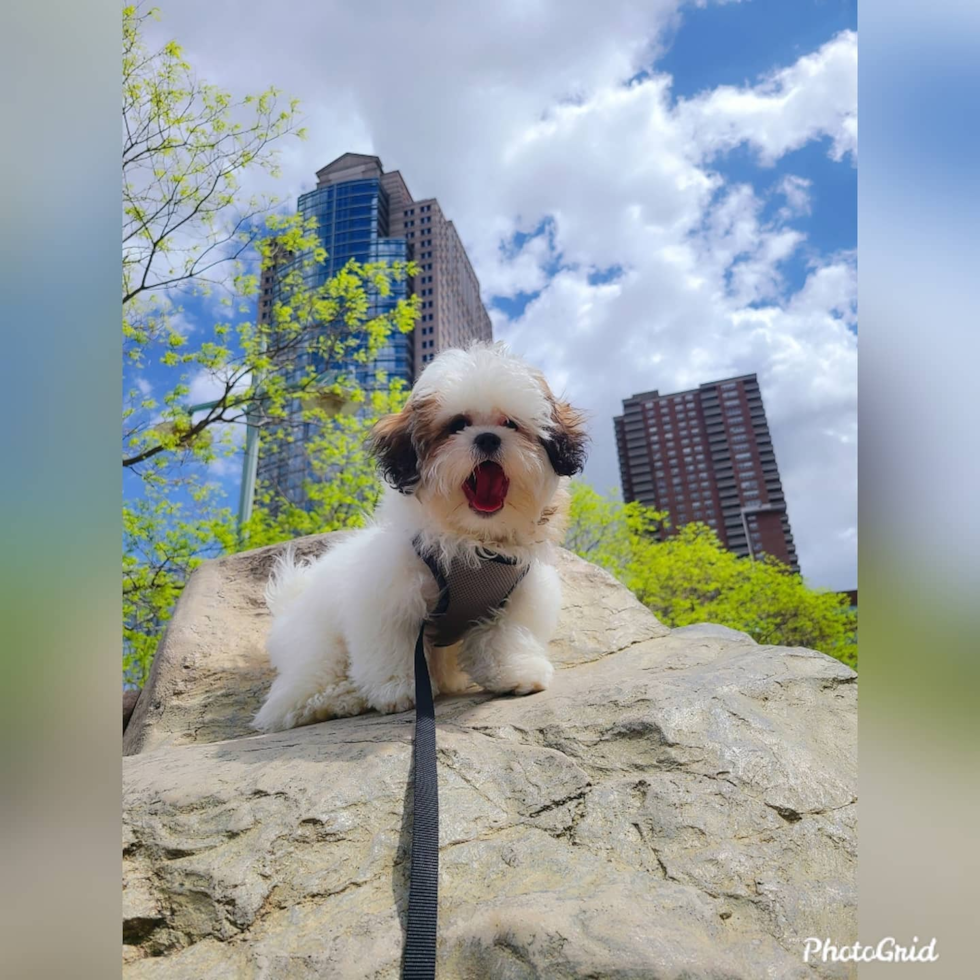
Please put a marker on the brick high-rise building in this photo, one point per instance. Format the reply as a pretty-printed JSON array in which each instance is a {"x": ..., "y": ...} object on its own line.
[
  {"x": 453, "y": 315},
  {"x": 366, "y": 214},
  {"x": 706, "y": 455}
]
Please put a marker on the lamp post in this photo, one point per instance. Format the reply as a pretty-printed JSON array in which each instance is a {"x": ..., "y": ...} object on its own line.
[
  {"x": 249, "y": 466},
  {"x": 330, "y": 403}
]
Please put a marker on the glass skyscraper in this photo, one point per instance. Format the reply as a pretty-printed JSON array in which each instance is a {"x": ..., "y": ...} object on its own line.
[
  {"x": 352, "y": 223},
  {"x": 365, "y": 214}
]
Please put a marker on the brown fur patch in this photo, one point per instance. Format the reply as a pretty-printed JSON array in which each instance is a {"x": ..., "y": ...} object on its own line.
[
  {"x": 567, "y": 444},
  {"x": 393, "y": 447},
  {"x": 426, "y": 430}
]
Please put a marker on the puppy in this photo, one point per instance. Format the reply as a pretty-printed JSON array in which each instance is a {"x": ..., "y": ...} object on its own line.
[{"x": 475, "y": 464}]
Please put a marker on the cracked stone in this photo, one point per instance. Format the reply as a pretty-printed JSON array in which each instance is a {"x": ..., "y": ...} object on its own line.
[{"x": 677, "y": 804}]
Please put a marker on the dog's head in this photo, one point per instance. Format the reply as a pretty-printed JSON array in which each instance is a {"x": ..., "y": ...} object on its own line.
[{"x": 482, "y": 443}]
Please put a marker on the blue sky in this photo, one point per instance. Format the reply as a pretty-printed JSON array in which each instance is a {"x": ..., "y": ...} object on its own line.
[
  {"x": 736, "y": 43},
  {"x": 654, "y": 194}
]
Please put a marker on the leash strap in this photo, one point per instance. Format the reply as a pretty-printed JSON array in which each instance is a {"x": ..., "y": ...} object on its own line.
[
  {"x": 419, "y": 962},
  {"x": 419, "y": 959}
]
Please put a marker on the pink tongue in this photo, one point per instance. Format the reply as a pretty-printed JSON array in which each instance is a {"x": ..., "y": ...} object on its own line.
[{"x": 491, "y": 487}]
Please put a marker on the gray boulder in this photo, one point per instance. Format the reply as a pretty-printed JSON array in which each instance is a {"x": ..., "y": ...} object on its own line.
[{"x": 675, "y": 805}]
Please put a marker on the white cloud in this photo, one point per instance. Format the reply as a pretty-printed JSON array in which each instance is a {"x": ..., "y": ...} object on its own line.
[
  {"x": 811, "y": 99},
  {"x": 207, "y": 386},
  {"x": 519, "y": 117},
  {"x": 796, "y": 190}
]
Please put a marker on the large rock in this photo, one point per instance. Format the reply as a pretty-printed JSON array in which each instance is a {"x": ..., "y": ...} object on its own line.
[{"x": 675, "y": 805}]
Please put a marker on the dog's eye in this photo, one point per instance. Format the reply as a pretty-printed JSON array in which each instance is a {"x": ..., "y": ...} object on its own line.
[
  {"x": 510, "y": 423},
  {"x": 458, "y": 424}
]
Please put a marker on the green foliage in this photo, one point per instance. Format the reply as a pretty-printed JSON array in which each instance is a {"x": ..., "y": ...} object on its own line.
[
  {"x": 344, "y": 488},
  {"x": 186, "y": 145},
  {"x": 190, "y": 232},
  {"x": 690, "y": 578},
  {"x": 163, "y": 542}
]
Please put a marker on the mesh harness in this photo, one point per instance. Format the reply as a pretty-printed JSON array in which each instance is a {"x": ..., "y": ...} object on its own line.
[{"x": 467, "y": 595}]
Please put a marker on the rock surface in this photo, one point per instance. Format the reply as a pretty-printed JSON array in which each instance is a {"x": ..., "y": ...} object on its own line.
[
  {"x": 675, "y": 805},
  {"x": 129, "y": 699}
]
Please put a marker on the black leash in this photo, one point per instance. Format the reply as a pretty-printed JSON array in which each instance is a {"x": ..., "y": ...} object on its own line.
[{"x": 419, "y": 962}]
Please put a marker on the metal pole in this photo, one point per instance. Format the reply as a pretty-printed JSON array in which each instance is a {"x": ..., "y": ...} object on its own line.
[
  {"x": 249, "y": 470},
  {"x": 246, "y": 493},
  {"x": 748, "y": 539}
]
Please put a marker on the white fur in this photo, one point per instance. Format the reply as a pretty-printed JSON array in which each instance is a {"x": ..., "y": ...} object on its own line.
[{"x": 344, "y": 627}]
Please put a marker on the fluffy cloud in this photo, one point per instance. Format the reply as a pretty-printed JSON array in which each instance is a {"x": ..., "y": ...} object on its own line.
[
  {"x": 811, "y": 99},
  {"x": 647, "y": 269},
  {"x": 796, "y": 190}
]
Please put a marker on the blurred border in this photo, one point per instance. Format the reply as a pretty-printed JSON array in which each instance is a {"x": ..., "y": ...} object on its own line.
[
  {"x": 919, "y": 571},
  {"x": 60, "y": 492},
  {"x": 919, "y": 205}
]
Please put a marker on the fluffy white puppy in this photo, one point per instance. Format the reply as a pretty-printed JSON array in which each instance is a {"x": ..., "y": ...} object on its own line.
[{"x": 475, "y": 463}]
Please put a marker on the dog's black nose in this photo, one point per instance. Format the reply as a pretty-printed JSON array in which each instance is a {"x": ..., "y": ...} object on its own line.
[{"x": 487, "y": 442}]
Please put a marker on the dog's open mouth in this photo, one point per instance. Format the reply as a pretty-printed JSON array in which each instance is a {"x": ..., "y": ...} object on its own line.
[{"x": 486, "y": 488}]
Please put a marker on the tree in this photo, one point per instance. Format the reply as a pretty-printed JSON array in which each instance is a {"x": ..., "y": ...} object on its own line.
[
  {"x": 194, "y": 242},
  {"x": 188, "y": 231},
  {"x": 689, "y": 577},
  {"x": 344, "y": 487},
  {"x": 186, "y": 145},
  {"x": 164, "y": 540}
]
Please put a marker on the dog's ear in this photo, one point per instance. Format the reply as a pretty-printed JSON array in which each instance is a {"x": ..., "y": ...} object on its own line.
[
  {"x": 567, "y": 442},
  {"x": 391, "y": 443}
]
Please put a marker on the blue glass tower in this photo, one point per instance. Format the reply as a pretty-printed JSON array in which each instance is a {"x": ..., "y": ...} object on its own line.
[
  {"x": 351, "y": 208},
  {"x": 352, "y": 223},
  {"x": 363, "y": 213}
]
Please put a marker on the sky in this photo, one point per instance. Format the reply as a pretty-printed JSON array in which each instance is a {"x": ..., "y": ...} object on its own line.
[{"x": 654, "y": 194}]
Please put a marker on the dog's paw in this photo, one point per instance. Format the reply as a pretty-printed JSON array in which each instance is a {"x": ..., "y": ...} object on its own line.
[
  {"x": 532, "y": 676},
  {"x": 392, "y": 699}
]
